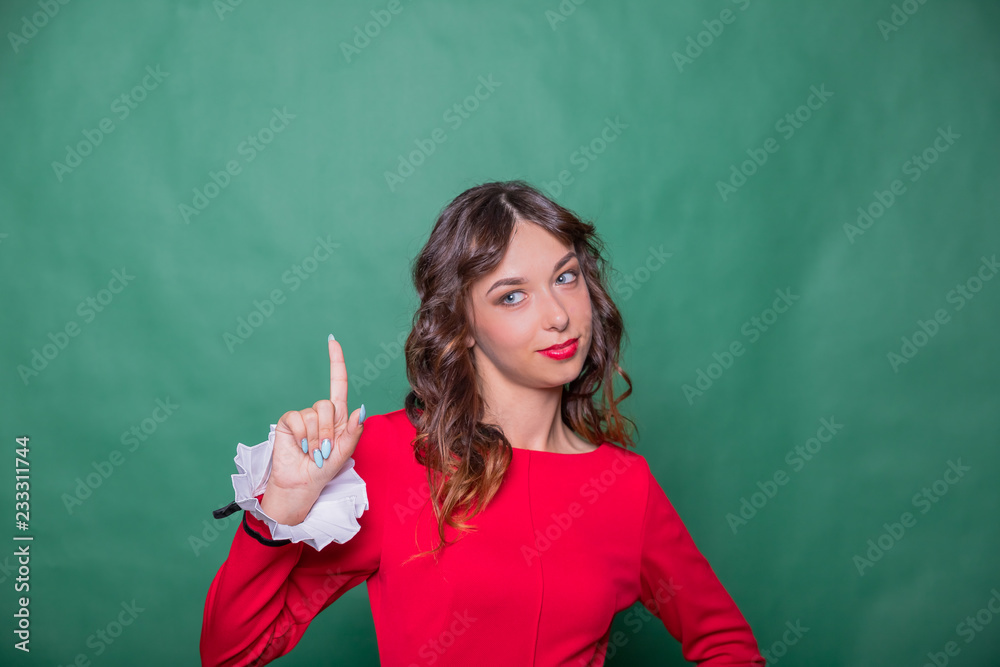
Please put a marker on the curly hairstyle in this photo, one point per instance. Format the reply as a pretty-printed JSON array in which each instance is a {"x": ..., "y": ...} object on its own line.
[{"x": 465, "y": 458}]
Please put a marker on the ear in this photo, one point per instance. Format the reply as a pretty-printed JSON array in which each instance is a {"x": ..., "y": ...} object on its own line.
[{"x": 469, "y": 341}]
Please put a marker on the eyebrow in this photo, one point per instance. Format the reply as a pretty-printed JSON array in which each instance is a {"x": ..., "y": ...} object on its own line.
[{"x": 520, "y": 281}]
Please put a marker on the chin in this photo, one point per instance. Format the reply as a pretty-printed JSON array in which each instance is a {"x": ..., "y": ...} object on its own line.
[{"x": 570, "y": 373}]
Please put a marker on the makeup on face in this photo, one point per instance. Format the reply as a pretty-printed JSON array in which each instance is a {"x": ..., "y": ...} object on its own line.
[{"x": 562, "y": 351}]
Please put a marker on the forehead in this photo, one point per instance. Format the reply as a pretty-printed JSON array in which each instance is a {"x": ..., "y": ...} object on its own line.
[
  {"x": 531, "y": 248},
  {"x": 532, "y": 254}
]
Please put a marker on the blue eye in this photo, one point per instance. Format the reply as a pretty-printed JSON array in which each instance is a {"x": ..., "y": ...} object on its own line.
[
  {"x": 504, "y": 302},
  {"x": 575, "y": 274}
]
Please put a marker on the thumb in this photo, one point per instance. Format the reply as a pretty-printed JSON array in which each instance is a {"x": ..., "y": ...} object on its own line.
[
  {"x": 355, "y": 423},
  {"x": 347, "y": 442}
]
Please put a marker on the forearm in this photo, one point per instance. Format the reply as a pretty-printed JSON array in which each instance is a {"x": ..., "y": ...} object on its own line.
[{"x": 245, "y": 607}]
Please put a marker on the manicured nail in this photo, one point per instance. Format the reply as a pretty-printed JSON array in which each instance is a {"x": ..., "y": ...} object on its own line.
[
  {"x": 361, "y": 420},
  {"x": 326, "y": 448},
  {"x": 318, "y": 458},
  {"x": 305, "y": 446},
  {"x": 331, "y": 337}
]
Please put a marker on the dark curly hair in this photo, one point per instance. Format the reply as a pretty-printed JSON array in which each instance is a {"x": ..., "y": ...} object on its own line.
[{"x": 465, "y": 458}]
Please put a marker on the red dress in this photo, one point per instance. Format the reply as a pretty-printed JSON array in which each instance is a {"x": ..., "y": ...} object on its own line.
[{"x": 568, "y": 541}]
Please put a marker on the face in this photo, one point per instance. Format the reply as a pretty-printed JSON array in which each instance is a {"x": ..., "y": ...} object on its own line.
[{"x": 541, "y": 300}]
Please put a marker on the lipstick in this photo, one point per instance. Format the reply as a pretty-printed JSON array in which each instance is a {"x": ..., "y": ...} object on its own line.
[{"x": 564, "y": 351}]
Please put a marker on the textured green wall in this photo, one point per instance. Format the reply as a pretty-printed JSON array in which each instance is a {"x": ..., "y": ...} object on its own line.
[{"x": 250, "y": 138}]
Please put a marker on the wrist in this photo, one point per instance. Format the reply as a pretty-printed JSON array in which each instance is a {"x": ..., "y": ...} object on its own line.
[{"x": 287, "y": 507}]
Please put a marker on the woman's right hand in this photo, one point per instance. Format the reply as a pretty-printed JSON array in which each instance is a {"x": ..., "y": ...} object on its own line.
[{"x": 298, "y": 476}]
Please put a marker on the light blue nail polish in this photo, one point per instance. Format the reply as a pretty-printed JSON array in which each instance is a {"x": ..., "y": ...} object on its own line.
[
  {"x": 318, "y": 458},
  {"x": 362, "y": 419},
  {"x": 326, "y": 448},
  {"x": 330, "y": 337},
  {"x": 305, "y": 446}
]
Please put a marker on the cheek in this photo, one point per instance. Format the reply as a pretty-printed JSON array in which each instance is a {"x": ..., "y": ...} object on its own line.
[
  {"x": 583, "y": 308},
  {"x": 518, "y": 333},
  {"x": 506, "y": 335}
]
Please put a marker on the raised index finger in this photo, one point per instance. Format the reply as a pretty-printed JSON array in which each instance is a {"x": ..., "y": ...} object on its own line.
[{"x": 338, "y": 381}]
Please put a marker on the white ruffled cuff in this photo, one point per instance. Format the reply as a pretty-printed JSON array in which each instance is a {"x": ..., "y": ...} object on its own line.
[{"x": 333, "y": 517}]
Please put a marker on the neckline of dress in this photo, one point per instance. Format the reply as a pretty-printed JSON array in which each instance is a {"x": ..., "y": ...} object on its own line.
[{"x": 543, "y": 452}]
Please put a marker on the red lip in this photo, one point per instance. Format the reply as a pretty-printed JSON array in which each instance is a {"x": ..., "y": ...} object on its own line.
[{"x": 561, "y": 345}]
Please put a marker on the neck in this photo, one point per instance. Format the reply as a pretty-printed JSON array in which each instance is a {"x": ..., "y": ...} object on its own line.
[{"x": 530, "y": 418}]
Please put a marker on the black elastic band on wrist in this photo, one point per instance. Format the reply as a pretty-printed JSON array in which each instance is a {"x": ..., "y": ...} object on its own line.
[
  {"x": 226, "y": 510},
  {"x": 260, "y": 538}
]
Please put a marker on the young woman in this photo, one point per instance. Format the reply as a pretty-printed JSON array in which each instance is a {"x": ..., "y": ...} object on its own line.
[{"x": 499, "y": 518}]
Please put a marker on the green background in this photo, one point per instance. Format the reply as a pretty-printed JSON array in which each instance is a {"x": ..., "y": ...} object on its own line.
[{"x": 684, "y": 125}]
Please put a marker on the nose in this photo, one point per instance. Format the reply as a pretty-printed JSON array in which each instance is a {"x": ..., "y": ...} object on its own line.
[{"x": 557, "y": 317}]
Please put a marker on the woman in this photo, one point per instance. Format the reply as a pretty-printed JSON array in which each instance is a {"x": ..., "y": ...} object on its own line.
[{"x": 499, "y": 518}]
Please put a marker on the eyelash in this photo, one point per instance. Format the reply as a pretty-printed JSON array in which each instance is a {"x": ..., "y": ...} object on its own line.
[{"x": 503, "y": 299}]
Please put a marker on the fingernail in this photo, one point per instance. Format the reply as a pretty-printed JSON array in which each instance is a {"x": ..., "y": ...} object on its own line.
[
  {"x": 326, "y": 448},
  {"x": 318, "y": 458},
  {"x": 361, "y": 420},
  {"x": 331, "y": 337},
  {"x": 305, "y": 446}
]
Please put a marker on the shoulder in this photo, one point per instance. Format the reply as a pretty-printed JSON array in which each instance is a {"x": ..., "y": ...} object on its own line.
[
  {"x": 623, "y": 459},
  {"x": 384, "y": 438},
  {"x": 399, "y": 420},
  {"x": 391, "y": 425},
  {"x": 645, "y": 490},
  {"x": 624, "y": 472}
]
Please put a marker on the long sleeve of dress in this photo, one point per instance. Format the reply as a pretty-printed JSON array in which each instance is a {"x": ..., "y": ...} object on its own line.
[
  {"x": 679, "y": 586},
  {"x": 267, "y": 591}
]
